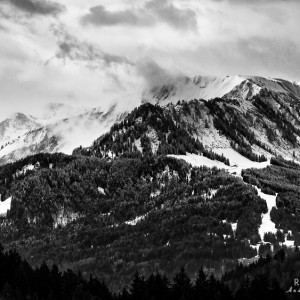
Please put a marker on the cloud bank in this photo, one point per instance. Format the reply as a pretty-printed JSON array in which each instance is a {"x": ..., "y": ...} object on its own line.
[
  {"x": 36, "y": 7},
  {"x": 97, "y": 53},
  {"x": 152, "y": 12}
]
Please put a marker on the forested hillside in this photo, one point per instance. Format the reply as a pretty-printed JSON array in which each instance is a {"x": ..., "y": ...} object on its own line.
[
  {"x": 150, "y": 130},
  {"x": 282, "y": 177},
  {"x": 113, "y": 216},
  {"x": 124, "y": 205}
]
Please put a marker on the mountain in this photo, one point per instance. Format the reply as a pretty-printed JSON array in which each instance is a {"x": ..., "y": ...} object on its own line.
[
  {"x": 268, "y": 107},
  {"x": 17, "y": 125},
  {"x": 171, "y": 183},
  {"x": 150, "y": 194},
  {"x": 61, "y": 128}
]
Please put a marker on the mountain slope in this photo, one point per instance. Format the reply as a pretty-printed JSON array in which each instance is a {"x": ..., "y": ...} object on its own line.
[
  {"x": 112, "y": 216},
  {"x": 59, "y": 136},
  {"x": 131, "y": 202},
  {"x": 17, "y": 125},
  {"x": 257, "y": 129}
]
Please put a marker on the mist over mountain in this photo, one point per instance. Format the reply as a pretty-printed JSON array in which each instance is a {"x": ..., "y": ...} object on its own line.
[{"x": 63, "y": 127}]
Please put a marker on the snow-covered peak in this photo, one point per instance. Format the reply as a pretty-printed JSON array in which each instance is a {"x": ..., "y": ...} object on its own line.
[
  {"x": 213, "y": 87},
  {"x": 245, "y": 90},
  {"x": 63, "y": 135},
  {"x": 15, "y": 126},
  {"x": 200, "y": 87},
  {"x": 208, "y": 87}
]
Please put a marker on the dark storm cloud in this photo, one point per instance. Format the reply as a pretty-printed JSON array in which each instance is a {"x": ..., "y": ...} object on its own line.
[
  {"x": 69, "y": 47},
  {"x": 167, "y": 12},
  {"x": 36, "y": 7},
  {"x": 153, "y": 12},
  {"x": 98, "y": 15}
]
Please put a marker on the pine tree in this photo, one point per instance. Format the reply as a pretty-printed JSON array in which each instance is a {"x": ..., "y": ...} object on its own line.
[
  {"x": 138, "y": 287},
  {"x": 182, "y": 285}
]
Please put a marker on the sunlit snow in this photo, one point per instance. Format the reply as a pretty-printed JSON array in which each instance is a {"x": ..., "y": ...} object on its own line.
[
  {"x": 239, "y": 161},
  {"x": 199, "y": 160},
  {"x": 136, "y": 220},
  {"x": 267, "y": 225},
  {"x": 234, "y": 226},
  {"x": 101, "y": 190},
  {"x": 5, "y": 206}
]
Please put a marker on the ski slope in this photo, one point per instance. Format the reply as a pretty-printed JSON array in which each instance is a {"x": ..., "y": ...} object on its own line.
[
  {"x": 237, "y": 161},
  {"x": 199, "y": 160},
  {"x": 267, "y": 225},
  {"x": 240, "y": 162}
]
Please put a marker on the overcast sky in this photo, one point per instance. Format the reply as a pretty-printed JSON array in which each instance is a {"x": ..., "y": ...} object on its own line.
[{"x": 94, "y": 52}]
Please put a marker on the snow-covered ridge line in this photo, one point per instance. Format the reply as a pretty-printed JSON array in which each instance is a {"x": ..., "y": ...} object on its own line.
[
  {"x": 199, "y": 87},
  {"x": 210, "y": 87}
]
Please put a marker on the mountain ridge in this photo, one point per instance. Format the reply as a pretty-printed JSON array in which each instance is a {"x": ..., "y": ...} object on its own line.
[{"x": 65, "y": 126}]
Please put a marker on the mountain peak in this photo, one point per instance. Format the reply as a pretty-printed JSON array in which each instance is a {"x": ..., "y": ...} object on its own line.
[
  {"x": 210, "y": 87},
  {"x": 17, "y": 125}
]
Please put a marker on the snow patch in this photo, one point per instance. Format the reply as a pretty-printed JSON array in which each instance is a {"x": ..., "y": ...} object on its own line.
[
  {"x": 239, "y": 161},
  {"x": 101, "y": 191},
  {"x": 138, "y": 145},
  {"x": 64, "y": 219},
  {"x": 199, "y": 160},
  {"x": 136, "y": 220},
  {"x": 234, "y": 226},
  {"x": 288, "y": 243},
  {"x": 267, "y": 225},
  {"x": 5, "y": 206},
  {"x": 155, "y": 194},
  {"x": 211, "y": 193}
]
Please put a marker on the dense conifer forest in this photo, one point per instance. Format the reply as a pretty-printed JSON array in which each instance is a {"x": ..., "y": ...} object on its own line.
[
  {"x": 110, "y": 217},
  {"x": 268, "y": 278}
]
